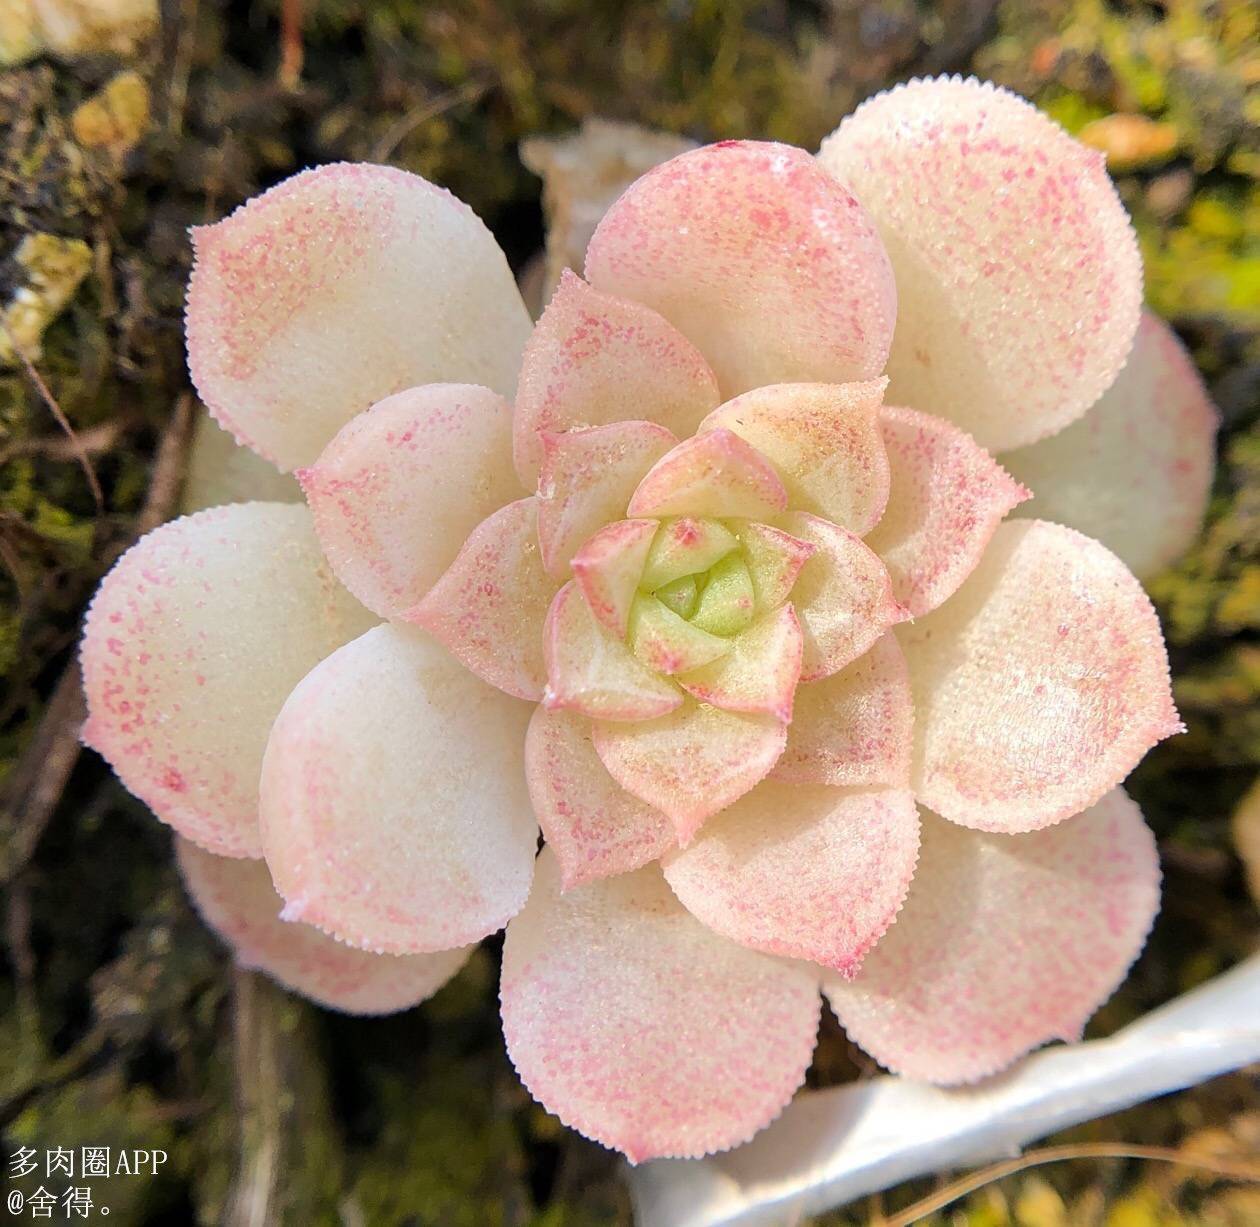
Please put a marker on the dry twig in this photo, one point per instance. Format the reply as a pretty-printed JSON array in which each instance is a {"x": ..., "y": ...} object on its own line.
[
  {"x": 35, "y": 785},
  {"x": 469, "y": 92},
  {"x": 1225, "y": 1168},
  {"x": 45, "y": 394},
  {"x": 168, "y": 468}
]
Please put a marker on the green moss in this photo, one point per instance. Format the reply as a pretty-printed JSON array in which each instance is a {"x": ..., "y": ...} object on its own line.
[
  {"x": 1212, "y": 592},
  {"x": 1071, "y": 110},
  {"x": 102, "y": 1110},
  {"x": 445, "y": 1156}
]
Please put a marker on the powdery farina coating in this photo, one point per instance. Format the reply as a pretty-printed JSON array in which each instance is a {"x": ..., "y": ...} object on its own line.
[
  {"x": 854, "y": 728},
  {"x": 587, "y": 479},
  {"x": 355, "y": 846},
  {"x": 1136, "y": 470},
  {"x": 192, "y": 644},
  {"x": 805, "y": 871},
  {"x": 1004, "y": 942},
  {"x": 339, "y": 287},
  {"x": 692, "y": 763},
  {"x": 1019, "y": 280},
  {"x": 672, "y": 600},
  {"x": 824, "y": 440},
  {"x": 449, "y": 439},
  {"x": 575, "y": 370},
  {"x": 656, "y": 1033},
  {"x": 591, "y": 672},
  {"x": 1039, "y": 685},
  {"x": 746, "y": 239},
  {"x": 489, "y": 605},
  {"x": 947, "y": 499},
  {"x": 237, "y": 900},
  {"x": 593, "y": 826}
]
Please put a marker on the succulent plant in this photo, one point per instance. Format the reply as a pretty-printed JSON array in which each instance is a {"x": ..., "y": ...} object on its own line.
[{"x": 710, "y": 576}]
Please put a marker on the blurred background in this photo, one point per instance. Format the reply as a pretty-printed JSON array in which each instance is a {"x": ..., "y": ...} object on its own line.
[{"x": 122, "y": 122}]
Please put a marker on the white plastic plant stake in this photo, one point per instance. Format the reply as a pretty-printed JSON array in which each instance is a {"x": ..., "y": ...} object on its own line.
[{"x": 833, "y": 1146}]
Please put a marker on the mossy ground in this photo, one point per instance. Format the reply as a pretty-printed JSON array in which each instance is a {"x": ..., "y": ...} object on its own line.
[{"x": 120, "y": 1020}]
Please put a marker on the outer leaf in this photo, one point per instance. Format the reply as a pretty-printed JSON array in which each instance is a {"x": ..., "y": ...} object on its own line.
[
  {"x": 1039, "y": 685},
  {"x": 236, "y": 899},
  {"x": 384, "y": 823},
  {"x": 1135, "y": 472},
  {"x": 948, "y": 496},
  {"x": 337, "y": 288},
  {"x": 641, "y": 1028},
  {"x": 192, "y": 644},
  {"x": 398, "y": 490},
  {"x": 1004, "y": 943},
  {"x": 807, "y": 872},
  {"x": 856, "y": 726},
  {"x": 596, "y": 359},
  {"x": 843, "y": 597},
  {"x": 489, "y": 606},
  {"x": 1018, "y": 276},
  {"x": 593, "y": 826},
  {"x": 769, "y": 266}
]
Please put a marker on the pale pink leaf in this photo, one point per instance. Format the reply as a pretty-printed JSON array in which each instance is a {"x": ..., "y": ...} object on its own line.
[
  {"x": 855, "y": 727},
  {"x": 608, "y": 569},
  {"x": 587, "y": 479},
  {"x": 594, "y": 827},
  {"x": 488, "y": 608},
  {"x": 590, "y": 672},
  {"x": 843, "y": 597},
  {"x": 237, "y": 900},
  {"x": 219, "y": 470},
  {"x": 948, "y": 497},
  {"x": 1004, "y": 942},
  {"x": 691, "y": 763},
  {"x": 759, "y": 673},
  {"x": 400, "y": 487},
  {"x": 805, "y": 871},
  {"x": 641, "y": 1028},
  {"x": 393, "y": 803},
  {"x": 824, "y": 442},
  {"x": 192, "y": 644},
  {"x": 1135, "y": 472},
  {"x": 337, "y": 288},
  {"x": 667, "y": 643},
  {"x": 595, "y": 359},
  {"x": 1038, "y": 685},
  {"x": 772, "y": 268},
  {"x": 712, "y": 474},
  {"x": 775, "y": 559},
  {"x": 1018, "y": 275},
  {"x": 686, "y": 546}
]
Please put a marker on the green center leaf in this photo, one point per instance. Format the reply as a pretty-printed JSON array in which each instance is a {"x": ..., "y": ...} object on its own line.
[
  {"x": 680, "y": 596},
  {"x": 685, "y": 546},
  {"x": 726, "y": 603}
]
